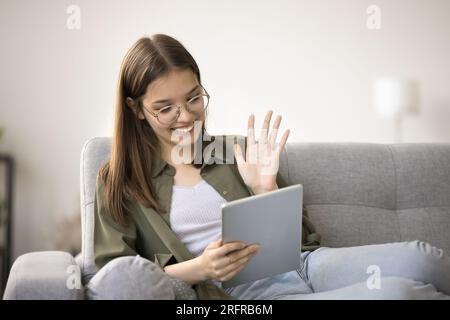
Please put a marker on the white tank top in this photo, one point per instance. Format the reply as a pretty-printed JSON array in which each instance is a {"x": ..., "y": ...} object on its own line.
[{"x": 195, "y": 215}]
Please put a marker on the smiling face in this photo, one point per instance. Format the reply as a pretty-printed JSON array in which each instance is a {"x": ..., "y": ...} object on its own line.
[{"x": 175, "y": 88}]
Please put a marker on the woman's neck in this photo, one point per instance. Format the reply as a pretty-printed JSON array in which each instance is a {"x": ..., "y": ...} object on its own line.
[{"x": 184, "y": 159}]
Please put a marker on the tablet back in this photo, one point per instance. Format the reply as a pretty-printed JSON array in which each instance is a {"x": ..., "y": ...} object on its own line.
[{"x": 272, "y": 219}]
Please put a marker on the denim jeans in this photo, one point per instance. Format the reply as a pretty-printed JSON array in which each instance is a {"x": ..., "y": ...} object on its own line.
[{"x": 399, "y": 270}]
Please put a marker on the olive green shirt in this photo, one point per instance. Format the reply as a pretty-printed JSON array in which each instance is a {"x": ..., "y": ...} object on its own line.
[{"x": 148, "y": 232}]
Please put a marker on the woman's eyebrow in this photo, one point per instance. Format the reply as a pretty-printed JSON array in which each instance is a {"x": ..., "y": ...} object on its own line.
[{"x": 168, "y": 100}]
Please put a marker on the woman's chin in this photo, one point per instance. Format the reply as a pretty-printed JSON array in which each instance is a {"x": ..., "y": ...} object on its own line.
[
  {"x": 184, "y": 140},
  {"x": 183, "y": 144}
]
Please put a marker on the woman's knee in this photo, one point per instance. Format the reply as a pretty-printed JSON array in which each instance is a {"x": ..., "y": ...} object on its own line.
[
  {"x": 131, "y": 278},
  {"x": 333, "y": 268},
  {"x": 397, "y": 288},
  {"x": 423, "y": 258},
  {"x": 425, "y": 247}
]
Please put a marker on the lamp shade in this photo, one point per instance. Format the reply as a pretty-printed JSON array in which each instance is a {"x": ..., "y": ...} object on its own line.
[{"x": 394, "y": 96}]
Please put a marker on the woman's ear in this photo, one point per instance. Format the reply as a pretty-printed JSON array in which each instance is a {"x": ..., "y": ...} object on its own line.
[
  {"x": 133, "y": 105},
  {"x": 130, "y": 102}
]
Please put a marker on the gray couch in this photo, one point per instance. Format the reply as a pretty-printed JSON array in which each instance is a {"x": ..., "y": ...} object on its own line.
[{"x": 356, "y": 194}]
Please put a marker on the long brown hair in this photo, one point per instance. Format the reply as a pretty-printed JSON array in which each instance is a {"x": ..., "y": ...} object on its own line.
[{"x": 127, "y": 174}]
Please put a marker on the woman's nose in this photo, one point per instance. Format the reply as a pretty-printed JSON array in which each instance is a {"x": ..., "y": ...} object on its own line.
[{"x": 185, "y": 114}]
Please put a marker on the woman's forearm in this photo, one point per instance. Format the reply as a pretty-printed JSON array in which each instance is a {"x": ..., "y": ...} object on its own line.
[{"x": 189, "y": 271}]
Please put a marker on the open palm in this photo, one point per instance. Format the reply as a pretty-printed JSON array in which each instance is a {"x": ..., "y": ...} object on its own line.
[{"x": 260, "y": 167}]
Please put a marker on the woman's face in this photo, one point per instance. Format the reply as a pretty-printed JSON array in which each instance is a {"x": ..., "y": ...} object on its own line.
[{"x": 174, "y": 88}]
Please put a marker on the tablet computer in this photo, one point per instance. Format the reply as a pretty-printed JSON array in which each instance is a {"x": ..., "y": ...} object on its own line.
[{"x": 272, "y": 219}]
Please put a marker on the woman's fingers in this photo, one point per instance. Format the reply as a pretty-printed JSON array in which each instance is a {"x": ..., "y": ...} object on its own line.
[
  {"x": 236, "y": 265},
  {"x": 233, "y": 258},
  {"x": 229, "y": 247},
  {"x": 266, "y": 143},
  {"x": 236, "y": 251},
  {"x": 233, "y": 269},
  {"x": 274, "y": 132},
  {"x": 232, "y": 274},
  {"x": 238, "y": 154},
  {"x": 237, "y": 255},
  {"x": 215, "y": 244},
  {"x": 283, "y": 140},
  {"x": 251, "y": 130},
  {"x": 265, "y": 128}
]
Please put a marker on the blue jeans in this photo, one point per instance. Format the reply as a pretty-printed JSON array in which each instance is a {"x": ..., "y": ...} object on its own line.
[{"x": 400, "y": 270}]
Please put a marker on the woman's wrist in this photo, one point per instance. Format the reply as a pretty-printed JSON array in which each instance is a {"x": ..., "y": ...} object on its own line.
[
  {"x": 191, "y": 271},
  {"x": 258, "y": 190},
  {"x": 199, "y": 269}
]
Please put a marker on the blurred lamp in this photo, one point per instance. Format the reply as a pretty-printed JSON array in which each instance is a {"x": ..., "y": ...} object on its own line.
[{"x": 394, "y": 97}]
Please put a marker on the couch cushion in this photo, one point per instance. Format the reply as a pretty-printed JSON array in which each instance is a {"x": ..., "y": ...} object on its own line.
[
  {"x": 364, "y": 193},
  {"x": 44, "y": 275}
]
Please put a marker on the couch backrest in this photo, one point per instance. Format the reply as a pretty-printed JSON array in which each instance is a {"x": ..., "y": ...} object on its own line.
[
  {"x": 367, "y": 193},
  {"x": 95, "y": 152},
  {"x": 356, "y": 193}
]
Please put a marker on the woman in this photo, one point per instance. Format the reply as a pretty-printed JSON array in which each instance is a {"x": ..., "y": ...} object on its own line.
[{"x": 159, "y": 196}]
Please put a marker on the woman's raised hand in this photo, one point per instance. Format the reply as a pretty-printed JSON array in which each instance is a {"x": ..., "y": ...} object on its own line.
[{"x": 260, "y": 167}]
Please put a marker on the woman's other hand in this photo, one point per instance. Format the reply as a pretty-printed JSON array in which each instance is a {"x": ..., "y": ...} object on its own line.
[
  {"x": 223, "y": 261},
  {"x": 260, "y": 167}
]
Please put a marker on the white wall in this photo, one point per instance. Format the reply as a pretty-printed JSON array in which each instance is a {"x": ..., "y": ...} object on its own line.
[{"x": 311, "y": 61}]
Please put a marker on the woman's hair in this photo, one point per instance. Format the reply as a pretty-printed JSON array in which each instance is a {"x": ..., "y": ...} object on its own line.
[{"x": 127, "y": 174}]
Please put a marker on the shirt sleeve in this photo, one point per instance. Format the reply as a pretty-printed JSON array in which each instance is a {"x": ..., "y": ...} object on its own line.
[
  {"x": 113, "y": 240},
  {"x": 310, "y": 238}
]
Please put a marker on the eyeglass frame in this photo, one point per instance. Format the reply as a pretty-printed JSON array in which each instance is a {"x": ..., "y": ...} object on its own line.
[{"x": 155, "y": 114}]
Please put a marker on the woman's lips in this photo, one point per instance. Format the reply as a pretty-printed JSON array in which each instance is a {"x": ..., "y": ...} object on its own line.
[{"x": 183, "y": 129}]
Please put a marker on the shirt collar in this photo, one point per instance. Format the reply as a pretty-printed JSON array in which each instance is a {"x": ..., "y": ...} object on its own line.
[{"x": 158, "y": 166}]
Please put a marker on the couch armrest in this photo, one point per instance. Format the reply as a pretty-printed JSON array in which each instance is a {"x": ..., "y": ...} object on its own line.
[{"x": 44, "y": 275}]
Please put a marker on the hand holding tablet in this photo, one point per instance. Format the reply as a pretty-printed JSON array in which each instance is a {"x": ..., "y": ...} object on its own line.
[{"x": 273, "y": 220}]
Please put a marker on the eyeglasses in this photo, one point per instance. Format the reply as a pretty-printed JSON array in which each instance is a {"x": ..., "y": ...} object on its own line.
[{"x": 169, "y": 114}]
